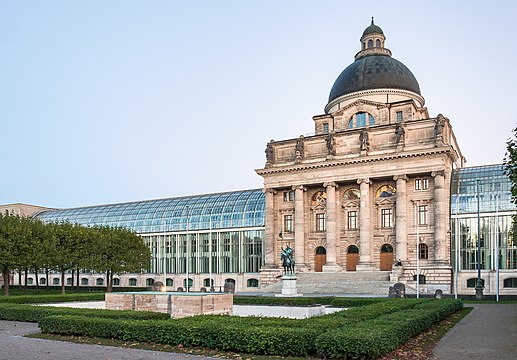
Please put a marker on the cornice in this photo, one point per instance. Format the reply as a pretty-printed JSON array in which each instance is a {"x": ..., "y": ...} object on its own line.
[{"x": 357, "y": 160}]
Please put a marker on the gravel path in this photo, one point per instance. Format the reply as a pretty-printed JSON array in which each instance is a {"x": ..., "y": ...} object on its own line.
[{"x": 13, "y": 346}]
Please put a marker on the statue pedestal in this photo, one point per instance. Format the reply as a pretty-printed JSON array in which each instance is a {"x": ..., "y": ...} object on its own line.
[{"x": 289, "y": 286}]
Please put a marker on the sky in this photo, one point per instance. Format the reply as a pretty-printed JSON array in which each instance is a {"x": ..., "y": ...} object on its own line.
[{"x": 106, "y": 101}]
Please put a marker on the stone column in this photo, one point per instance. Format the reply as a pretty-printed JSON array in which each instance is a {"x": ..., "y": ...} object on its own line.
[
  {"x": 440, "y": 217},
  {"x": 299, "y": 227},
  {"x": 269, "y": 242},
  {"x": 331, "y": 228},
  {"x": 401, "y": 219},
  {"x": 365, "y": 262}
]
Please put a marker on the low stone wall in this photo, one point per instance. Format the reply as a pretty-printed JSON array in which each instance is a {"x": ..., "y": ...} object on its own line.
[{"x": 176, "y": 304}]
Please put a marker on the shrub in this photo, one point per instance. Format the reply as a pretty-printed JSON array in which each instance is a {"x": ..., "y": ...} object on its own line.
[
  {"x": 39, "y": 299},
  {"x": 31, "y": 313}
]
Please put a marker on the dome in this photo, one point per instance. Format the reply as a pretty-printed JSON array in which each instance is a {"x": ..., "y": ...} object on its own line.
[
  {"x": 374, "y": 72},
  {"x": 373, "y": 68},
  {"x": 372, "y": 29}
]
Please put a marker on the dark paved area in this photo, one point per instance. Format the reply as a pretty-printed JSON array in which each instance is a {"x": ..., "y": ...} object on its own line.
[
  {"x": 13, "y": 346},
  {"x": 488, "y": 332}
]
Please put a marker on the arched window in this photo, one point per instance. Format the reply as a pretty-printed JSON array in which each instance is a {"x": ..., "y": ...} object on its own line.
[
  {"x": 132, "y": 282},
  {"x": 386, "y": 248},
  {"x": 42, "y": 281},
  {"x": 421, "y": 280},
  {"x": 364, "y": 45},
  {"x": 253, "y": 282},
  {"x": 360, "y": 119},
  {"x": 510, "y": 283},
  {"x": 149, "y": 282},
  {"x": 385, "y": 191},
  {"x": 231, "y": 281},
  {"x": 30, "y": 281},
  {"x": 69, "y": 281},
  {"x": 352, "y": 249},
  {"x": 423, "y": 251},
  {"x": 99, "y": 282},
  {"x": 169, "y": 282},
  {"x": 190, "y": 283},
  {"x": 471, "y": 283},
  {"x": 207, "y": 282},
  {"x": 351, "y": 194},
  {"x": 370, "y": 44},
  {"x": 84, "y": 281},
  {"x": 378, "y": 43},
  {"x": 55, "y": 281}
]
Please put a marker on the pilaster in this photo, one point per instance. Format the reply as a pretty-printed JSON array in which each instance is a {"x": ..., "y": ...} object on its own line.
[
  {"x": 401, "y": 219},
  {"x": 365, "y": 238},
  {"x": 440, "y": 220},
  {"x": 299, "y": 226},
  {"x": 331, "y": 228},
  {"x": 269, "y": 242}
]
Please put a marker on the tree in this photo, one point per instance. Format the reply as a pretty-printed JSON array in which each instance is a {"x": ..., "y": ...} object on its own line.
[{"x": 510, "y": 163}]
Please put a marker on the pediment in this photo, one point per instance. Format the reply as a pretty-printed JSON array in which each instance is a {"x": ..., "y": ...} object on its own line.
[
  {"x": 360, "y": 105},
  {"x": 385, "y": 201},
  {"x": 351, "y": 204},
  {"x": 318, "y": 207}
]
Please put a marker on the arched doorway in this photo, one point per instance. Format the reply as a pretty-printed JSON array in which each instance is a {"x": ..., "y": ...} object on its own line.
[
  {"x": 320, "y": 258},
  {"x": 386, "y": 257},
  {"x": 352, "y": 258}
]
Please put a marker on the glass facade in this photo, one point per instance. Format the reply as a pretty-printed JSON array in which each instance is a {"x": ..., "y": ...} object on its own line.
[
  {"x": 491, "y": 187},
  {"x": 214, "y": 233}
]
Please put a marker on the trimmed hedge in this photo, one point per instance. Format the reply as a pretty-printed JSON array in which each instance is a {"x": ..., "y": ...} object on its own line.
[
  {"x": 40, "y": 299},
  {"x": 360, "y": 333},
  {"x": 31, "y": 313}
]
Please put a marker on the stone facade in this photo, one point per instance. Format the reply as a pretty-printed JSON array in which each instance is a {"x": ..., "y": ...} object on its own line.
[
  {"x": 377, "y": 161},
  {"x": 178, "y": 305}
]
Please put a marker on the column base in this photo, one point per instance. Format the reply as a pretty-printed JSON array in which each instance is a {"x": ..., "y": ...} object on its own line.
[
  {"x": 331, "y": 268},
  {"x": 364, "y": 267}
]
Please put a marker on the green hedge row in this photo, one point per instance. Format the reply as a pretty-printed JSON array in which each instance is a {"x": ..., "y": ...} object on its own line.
[
  {"x": 39, "y": 299},
  {"x": 305, "y": 301},
  {"x": 31, "y": 313},
  {"x": 347, "y": 334},
  {"x": 379, "y": 336}
]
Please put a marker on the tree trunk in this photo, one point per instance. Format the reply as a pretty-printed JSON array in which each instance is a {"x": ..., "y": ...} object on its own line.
[
  {"x": 72, "y": 282},
  {"x": 109, "y": 279},
  {"x": 77, "y": 280},
  {"x": 46, "y": 278},
  {"x": 62, "y": 282},
  {"x": 6, "y": 275},
  {"x": 25, "y": 279},
  {"x": 37, "y": 279}
]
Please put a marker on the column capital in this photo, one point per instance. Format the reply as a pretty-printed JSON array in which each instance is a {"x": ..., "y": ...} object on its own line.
[
  {"x": 299, "y": 187},
  {"x": 438, "y": 173},
  {"x": 331, "y": 183},
  {"x": 364, "y": 180},
  {"x": 400, "y": 177},
  {"x": 270, "y": 191}
]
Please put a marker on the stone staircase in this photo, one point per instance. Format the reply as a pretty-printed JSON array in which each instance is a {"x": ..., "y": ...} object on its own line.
[{"x": 342, "y": 283}]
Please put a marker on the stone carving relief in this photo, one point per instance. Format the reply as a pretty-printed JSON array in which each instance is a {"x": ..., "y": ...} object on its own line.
[
  {"x": 400, "y": 133},
  {"x": 363, "y": 139},
  {"x": 438, "y": 129},
  {"x": 330, "y": 144},
  {"x": 270, "y": 152},
  {"x": 298, "y": 149}
]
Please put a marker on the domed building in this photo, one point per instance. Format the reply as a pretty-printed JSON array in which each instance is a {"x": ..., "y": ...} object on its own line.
[
  {"x": 370, "y": 191},
  {"x": 377, "y": 195}
]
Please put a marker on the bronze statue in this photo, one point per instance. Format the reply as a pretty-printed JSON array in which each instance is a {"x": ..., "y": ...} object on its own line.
[{"x": 286, "y": 255}]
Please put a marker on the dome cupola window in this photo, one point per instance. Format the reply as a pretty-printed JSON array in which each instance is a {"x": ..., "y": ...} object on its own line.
[{"x": 361, "y": 119}]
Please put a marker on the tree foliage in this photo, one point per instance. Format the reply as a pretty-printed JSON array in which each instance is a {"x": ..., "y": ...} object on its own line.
[
  {"x": 510, "y": 163},
  {"x": 29, "y": 244}
]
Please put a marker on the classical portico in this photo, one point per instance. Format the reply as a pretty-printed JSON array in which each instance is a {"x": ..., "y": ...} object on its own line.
[{"x": 374, "y": 174}]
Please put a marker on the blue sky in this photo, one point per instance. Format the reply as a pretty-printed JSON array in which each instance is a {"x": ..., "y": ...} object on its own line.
[{"x": 111, "y": 101}]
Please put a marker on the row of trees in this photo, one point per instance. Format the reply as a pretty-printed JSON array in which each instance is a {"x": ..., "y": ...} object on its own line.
[{"x": 29, "y": 245}]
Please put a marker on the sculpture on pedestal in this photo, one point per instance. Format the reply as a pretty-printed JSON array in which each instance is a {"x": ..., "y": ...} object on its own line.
[{"x": 286, "y": 255}]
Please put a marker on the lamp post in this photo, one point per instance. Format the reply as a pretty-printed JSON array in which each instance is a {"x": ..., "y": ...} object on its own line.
[
  {"x": 187, "y": 252},
  {"x": 479, "y": 285},
  {"x": 164, "y": 256},
  {"x": 417, "y": 219}
]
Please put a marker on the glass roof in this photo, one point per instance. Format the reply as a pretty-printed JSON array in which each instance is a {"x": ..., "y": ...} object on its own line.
[
  {"x": 494, "y": 190},
  {"x": 235, "y": 209}
]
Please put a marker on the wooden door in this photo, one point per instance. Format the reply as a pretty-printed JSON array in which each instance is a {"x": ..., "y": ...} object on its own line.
[
  {"x": 386, "y": 257},
  {"x": 320, "y": 259},
  {"x": 352, "y": 259}
]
